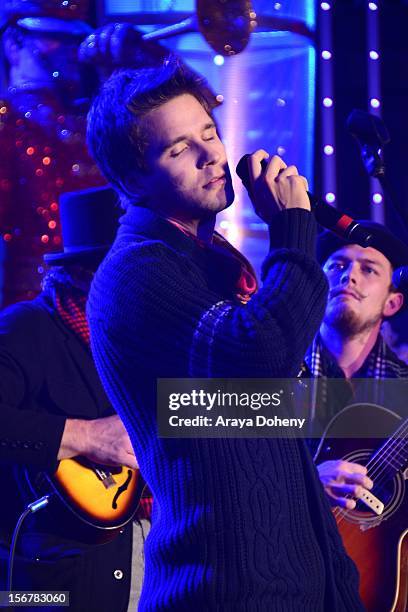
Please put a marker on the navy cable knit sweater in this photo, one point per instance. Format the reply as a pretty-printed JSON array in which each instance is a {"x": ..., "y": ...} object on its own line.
[{"x": 238, "y": 524}]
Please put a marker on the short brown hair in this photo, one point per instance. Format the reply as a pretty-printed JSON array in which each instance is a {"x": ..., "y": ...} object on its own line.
[{"x": 115, "y": 137}]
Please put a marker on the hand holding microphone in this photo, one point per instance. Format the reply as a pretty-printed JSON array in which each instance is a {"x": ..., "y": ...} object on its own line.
[{"x": 272, "y": 185}]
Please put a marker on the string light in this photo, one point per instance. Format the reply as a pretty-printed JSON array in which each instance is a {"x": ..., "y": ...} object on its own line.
[
  {"x": 43, "y": 159},
  {"x": 374, "y": 92},
  {"x": 328, "y": 135}
]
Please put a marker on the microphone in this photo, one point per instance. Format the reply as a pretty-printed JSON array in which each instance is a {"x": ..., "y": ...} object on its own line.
[
  {"x": 371, "y": 134},
  {"x": 368, "y": 129},
  {"x": 331, "y": 218}
]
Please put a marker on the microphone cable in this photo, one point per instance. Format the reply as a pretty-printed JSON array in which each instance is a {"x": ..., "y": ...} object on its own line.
[{"x": 40, "y": 503}]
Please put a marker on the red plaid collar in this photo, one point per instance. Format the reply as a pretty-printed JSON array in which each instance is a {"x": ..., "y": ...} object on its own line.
[
  {"x": 247, "y": 283},
  {"x": 70, "y": 305}
]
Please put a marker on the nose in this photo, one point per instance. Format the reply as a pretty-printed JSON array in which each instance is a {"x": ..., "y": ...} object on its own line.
[
  {"x": 349, "y": 274},
  {"x": 210, "y": 154}
]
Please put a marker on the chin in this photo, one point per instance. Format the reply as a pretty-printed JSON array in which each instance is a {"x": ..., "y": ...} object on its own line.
[
  {"x": 217, "y": 205},
  {"x": 228, "y": 199},
  {"x": 342, "y": 319}
]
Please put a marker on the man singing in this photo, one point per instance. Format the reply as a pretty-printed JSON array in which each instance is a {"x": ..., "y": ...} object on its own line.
[{"x": 237, "y": 524}]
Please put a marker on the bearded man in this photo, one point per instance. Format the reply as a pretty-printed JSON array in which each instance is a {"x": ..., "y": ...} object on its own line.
[{"x": 349, "y": 344}]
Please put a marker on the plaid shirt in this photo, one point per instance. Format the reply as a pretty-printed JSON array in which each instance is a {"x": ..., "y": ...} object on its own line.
[{"x": 366, "y": 385}]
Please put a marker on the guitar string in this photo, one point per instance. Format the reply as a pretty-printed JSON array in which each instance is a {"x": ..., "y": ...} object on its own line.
[
  {"x": 393, "y": 446},
  {"x": 388, "y": 447},
  {"x": 339, "y": 510},
  {"x": 398, "y": 439},
  {"x": 376, "y": 461}
]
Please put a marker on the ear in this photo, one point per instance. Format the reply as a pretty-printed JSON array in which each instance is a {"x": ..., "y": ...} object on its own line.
[{"x": 393, "y": 304}]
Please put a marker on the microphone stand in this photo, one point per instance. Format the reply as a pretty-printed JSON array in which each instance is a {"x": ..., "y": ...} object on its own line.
[{"x": 375, "y": 167}]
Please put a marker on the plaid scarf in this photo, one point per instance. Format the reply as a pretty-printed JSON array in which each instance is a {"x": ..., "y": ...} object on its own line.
[
  {"x": 70, "y": 306},
  {"x": 239, "y": 281},
  {"x": 366, "y": 385},
  {"x": 246, "y": 284},
  {"x": 381, "y": 362},
  {"x": 69, "y": 302}
]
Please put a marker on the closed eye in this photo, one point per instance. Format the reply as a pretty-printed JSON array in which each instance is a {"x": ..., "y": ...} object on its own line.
[
  {"x": 178, "y": 152},
  {"x": 210, "y": 133}
]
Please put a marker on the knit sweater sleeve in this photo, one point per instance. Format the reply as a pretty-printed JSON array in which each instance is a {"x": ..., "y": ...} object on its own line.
[{"x": 152, "y": 297}]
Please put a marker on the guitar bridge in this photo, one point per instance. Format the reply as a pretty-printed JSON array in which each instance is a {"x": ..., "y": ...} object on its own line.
[
  {"x": 106, "y": 478},
  {"x": 372, "y": 502}
]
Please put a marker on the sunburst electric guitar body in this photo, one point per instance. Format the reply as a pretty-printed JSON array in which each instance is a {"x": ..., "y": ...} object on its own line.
[{"x": 89, "y": 495}]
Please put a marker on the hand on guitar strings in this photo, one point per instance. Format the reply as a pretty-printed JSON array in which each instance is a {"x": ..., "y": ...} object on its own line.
[
  {"x": 342, "y": 481},
  {"x": 103, "y": 441}
]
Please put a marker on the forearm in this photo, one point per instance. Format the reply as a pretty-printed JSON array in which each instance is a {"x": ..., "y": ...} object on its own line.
[
  {"x": 293, "y": 229},
  {"x": 270, "y": 335},
  {"x": 74, "y": 439}
]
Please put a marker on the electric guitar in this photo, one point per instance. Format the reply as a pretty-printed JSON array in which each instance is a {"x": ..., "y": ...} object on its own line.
[
  {"x": 375, "y": 533},
  {"x": 94, "y": 501}
]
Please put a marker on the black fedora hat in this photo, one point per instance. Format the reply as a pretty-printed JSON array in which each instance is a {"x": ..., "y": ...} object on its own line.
[
  {"x": 394, "y": 249},
  {"x": 89, "y": 220}
]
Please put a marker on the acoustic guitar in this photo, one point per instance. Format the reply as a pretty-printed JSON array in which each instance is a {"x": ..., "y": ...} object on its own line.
[
  {"x": 95, "y": 500},
  {"x": 375, "y": 533}
]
